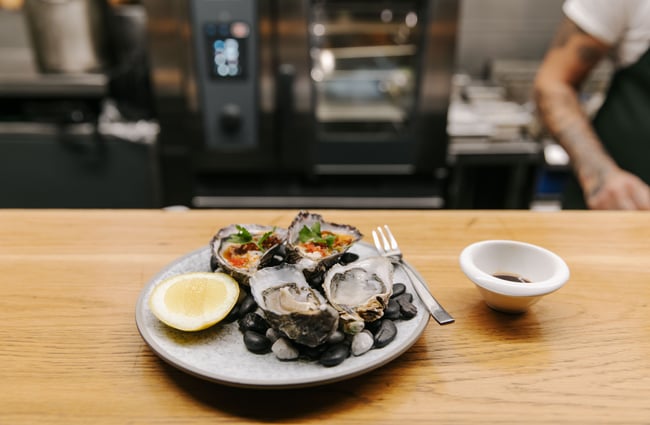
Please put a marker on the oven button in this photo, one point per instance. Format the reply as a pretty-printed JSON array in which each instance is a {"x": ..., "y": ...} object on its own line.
[{"x": 230, "y": 119}]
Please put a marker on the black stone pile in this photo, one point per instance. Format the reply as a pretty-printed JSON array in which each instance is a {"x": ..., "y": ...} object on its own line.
[{"x": 260, "y": 338}]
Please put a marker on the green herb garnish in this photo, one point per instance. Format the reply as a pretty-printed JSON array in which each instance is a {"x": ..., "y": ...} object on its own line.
[
  {"x": 264, "y": 237},
  {"x": 314, "y": 234},
  {"x": 242, "y": 236}
]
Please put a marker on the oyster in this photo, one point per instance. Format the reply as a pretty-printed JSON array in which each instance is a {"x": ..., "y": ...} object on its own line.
[
  {"x": 360, "y": 290},
  {"x": 316, "y": 244},
  {"x": 293, "y": 307},
  {"x": 241, "y": 249}
]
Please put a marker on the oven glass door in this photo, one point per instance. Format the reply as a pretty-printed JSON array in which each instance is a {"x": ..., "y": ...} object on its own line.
[{"x": 364, "y": 68}]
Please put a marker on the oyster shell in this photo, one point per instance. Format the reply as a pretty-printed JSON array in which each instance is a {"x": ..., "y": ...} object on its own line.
[
  {"x": 316, "y": 244},
  {"x": 293, "y": 307},
  {"x": 360, "y": 290},
  {"x": 241, "y": 249}
]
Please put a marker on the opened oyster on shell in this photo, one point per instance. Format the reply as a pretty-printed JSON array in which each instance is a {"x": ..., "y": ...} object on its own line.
[
  {"x": 241, "y": 249},
  {"x": 360, "y": 291},
  {"x": 293, "y": 307},
  {"x": 315, "y": 244}
]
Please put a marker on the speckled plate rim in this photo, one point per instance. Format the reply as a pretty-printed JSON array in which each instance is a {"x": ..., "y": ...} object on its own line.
[{"x": 219, "y": 355}]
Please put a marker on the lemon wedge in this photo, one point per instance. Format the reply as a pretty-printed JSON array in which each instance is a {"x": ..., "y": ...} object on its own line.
[{"x": 194, "y": 301}]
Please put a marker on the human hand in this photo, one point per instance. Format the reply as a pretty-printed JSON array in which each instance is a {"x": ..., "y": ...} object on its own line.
[{"x": 620, "y": 190}]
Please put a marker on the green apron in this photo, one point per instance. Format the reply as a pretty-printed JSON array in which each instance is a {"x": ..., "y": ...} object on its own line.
[{"x": 623, "y": 125}]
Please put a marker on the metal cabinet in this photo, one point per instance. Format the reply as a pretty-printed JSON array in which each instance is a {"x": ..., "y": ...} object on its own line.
[{"x": 47, "y": 166}]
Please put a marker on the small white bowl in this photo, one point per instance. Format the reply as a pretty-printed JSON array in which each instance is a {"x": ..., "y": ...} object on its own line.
[{"x": 545, "y": 271}]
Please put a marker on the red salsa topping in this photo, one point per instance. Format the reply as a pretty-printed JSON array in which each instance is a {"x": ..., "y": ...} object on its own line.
[{"x": 242, "y": 255}]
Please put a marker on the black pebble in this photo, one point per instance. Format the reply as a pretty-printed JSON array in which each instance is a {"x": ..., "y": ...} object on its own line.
[
  {"x": 253, "y": 322},
  {"x": 405, "y": 296},
  {"x": 392, "y": 310},
  {"x": 348, "y": 257},
  {"x": 256, "y": 342},
  {"x": 385, "y": 334},
  {"x": 315, "y": 280},
  {"x": 247, "y": 305},
  {"x": 407, "y": 310},
  {"x": 334, "y": 355},
  {"x": 312, "y": 353},
  {"x": 232, "y": 315},
  {"x": 275, "y": 260},
  {"x": 398, "y": 289},
  {"x": 373, "y": 327}
]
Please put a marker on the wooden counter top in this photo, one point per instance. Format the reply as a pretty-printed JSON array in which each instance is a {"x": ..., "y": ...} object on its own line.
[{"x": 71, "y": 352}]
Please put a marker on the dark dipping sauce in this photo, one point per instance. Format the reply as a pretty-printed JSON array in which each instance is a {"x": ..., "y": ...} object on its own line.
[{"x": 512, "y": 277}]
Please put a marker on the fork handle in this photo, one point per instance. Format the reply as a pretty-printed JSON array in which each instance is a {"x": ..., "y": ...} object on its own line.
[{"x": 436, "y": 310}]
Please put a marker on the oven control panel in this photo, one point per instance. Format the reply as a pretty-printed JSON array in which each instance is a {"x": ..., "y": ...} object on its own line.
[{"x": 225, "y": 49}]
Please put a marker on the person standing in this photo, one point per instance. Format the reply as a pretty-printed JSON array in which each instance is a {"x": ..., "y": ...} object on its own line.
[{"x": 610, "y": 155}]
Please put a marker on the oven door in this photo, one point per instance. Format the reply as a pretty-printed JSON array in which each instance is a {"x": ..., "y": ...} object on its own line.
[{"x": 379, "y": 75}]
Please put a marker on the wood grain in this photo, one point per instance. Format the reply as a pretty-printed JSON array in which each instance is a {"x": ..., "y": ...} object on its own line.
[{"x": 71, "y": 353}]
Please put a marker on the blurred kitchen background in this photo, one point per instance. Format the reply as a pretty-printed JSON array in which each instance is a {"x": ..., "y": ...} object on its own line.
[{"x": 277, "y": 103}]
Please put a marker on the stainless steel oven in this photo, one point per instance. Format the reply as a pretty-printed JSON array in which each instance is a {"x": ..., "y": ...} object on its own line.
[{"x": 302, "y": 103}]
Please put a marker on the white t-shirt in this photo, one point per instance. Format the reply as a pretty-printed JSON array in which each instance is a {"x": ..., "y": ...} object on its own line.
[{"x": 624, "y": 24}]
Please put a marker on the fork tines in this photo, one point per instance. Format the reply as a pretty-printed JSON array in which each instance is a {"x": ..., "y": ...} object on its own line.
[{"x": 385, "y": 242}]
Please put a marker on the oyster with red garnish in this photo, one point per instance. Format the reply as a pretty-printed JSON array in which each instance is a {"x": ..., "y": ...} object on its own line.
[
  {"x": 242, "y": 249},
  {"x": 315, "y": 244}
]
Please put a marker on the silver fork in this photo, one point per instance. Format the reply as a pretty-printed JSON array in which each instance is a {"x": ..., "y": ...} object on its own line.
[{"x": 388, "y": 247}]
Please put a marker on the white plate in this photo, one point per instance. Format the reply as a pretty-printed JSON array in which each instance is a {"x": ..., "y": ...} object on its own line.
[{"x": 218, "y": 354}]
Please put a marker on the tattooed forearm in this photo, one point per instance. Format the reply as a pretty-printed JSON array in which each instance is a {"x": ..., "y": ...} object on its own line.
[
  {"x": 566, "y": 65},
  {"x": 589, "y": 55},
  {"x": 589, "y": 160},
  {"x": 563, "y": 116}
]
